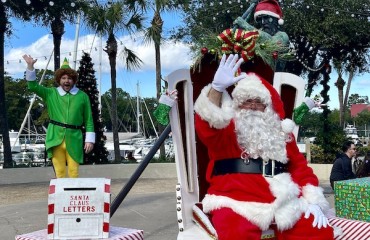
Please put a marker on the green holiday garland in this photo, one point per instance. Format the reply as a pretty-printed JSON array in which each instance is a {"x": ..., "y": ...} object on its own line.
[{"x": 248, "y": 44}]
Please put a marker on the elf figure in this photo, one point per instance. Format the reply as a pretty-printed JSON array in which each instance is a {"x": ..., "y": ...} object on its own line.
[
  {"x": 166, "y": 102},
  {"x": 69, "y": 110},
  {"x": 307, "y": 104}
]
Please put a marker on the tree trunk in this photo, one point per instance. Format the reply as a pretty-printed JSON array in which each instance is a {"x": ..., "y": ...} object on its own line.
[
  {"x": 3, "y": 113},
  {"x": 340, "y": 85},
  {"x": 158, "y": 77},
  {"x": 57, "y": 29},
  {"x": 157, "y": 20},
  {"x": 111, "y": 50},
  {"x": 349, "y": 82}
]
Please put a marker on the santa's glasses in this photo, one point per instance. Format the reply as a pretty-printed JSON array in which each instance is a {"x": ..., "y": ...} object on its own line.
[{"x": 253, "y": 103}]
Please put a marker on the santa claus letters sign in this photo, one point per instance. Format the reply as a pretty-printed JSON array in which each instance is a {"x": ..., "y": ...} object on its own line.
[{"x": 78, "y": 208}]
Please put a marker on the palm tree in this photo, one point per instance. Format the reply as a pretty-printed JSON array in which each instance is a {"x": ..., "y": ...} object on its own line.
[
  {"x": 352, "y": 61},
  {"x": 7, "y": 9},
  {"x": 108, "y": 19},
  {"x": 53, "y": 14},
  {"x": 154, "y": 34},
  {"x": 340, "y": 83}
]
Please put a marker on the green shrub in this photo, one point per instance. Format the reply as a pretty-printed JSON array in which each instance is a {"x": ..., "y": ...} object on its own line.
[
  {"x": 318, "y": 155},
  {"x": 361, "y": 151}
]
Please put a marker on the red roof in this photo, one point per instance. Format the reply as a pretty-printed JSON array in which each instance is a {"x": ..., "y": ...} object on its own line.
[{"x": 357, "y": 108}]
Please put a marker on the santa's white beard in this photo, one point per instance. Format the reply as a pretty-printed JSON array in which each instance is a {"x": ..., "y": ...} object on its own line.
[{"x": 259, "y": 134}]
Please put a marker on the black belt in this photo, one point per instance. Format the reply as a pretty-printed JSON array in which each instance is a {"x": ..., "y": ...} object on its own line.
[
  {"x": 65, "y": 125},
  {"x": 251, "y": 165}
]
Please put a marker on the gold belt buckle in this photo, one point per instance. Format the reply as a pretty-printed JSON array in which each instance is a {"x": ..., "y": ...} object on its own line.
[{"x": 272, "y": 169}]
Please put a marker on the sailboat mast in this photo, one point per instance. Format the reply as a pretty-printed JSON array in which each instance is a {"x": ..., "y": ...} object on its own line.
[
  {"x": 29, "y": 127},
  {"x": 138, "y": 108},
  {"x": 77, "y": 33}
]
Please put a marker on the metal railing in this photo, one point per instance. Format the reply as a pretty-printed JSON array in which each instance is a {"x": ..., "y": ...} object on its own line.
[{"x": 140, "y": 169}]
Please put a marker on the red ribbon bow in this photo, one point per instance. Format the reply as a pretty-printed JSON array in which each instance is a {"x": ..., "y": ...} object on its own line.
[{"x": 240, "y": 41}]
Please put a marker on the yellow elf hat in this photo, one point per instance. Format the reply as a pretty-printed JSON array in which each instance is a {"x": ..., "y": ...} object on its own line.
[{"x": 65, "y": 64}]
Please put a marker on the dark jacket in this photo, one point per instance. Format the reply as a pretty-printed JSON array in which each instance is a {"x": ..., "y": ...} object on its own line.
[
  {"x": 364, "y": 169},
  {"x": 342, "y": 169}
]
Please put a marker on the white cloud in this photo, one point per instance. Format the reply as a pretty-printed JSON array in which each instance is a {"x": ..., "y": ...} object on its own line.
[
  {"x": 171, "y": 52},
  {"x": 14, "y": 63},
  {"x": 173, "y": 55}
]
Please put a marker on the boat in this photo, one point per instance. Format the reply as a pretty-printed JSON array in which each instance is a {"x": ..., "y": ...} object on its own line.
[
  {"x": 351, "y": 133},
  {"x": 22, "y": 159},
  {"x": 125, "y": 150},
  {"x": 14, "y": 143}
]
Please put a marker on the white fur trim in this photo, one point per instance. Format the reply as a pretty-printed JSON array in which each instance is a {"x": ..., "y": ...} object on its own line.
[
  {"x": 309, "y": 102},
  {"x": 205, "y": 222},
  {"x": 337, "y": 231},
  {"x": 251, "y": 87},
  {"x": 331, "y": 214},
  {"x": 286, "y": 210},
  {"x": 90, "y": 137},
  {"x": 287, "y": 125},
  {"x": 289, "y": 207},
  {"x": 260, "y": 214},
  {"x": 167, "y": 100},
  {"x": 30, "y": 75},
  {"x": 315, "y": 195},
  {"x": 266, "y": 12},
  {"x": 216, "y": 117}
]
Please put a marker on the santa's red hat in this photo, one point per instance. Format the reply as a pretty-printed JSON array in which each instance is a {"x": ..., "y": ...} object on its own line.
[
  {"x": 271, "y": 8},
  {"x": 254, "y": 86}
]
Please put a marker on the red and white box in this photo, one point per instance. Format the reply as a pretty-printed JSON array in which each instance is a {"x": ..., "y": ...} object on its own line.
[
  {"x": 79, "y": 208},
  {"x": 115, "y": 233},
  {"x": 349, "y": 229}
]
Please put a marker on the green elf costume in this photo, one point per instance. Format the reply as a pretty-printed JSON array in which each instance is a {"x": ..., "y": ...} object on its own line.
[{"x": 68, "y": 112}]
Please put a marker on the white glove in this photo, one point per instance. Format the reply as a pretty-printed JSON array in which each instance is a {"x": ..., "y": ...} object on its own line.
[
  {"x": 172, "y": 94},
  {"x": 309, "y": 102},
  {"x": 225, "y": 74},
  {"x": 169, "y": 98},
  {"x": 318, "y": 101},
  {"x": 319, "y": 218}
]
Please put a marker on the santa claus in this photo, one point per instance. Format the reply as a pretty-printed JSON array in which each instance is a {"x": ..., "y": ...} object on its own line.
[{"x": 258, "y": 179}]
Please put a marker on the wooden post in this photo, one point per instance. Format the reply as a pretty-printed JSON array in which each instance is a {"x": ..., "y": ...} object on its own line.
[{"x": 308, "y": 149}]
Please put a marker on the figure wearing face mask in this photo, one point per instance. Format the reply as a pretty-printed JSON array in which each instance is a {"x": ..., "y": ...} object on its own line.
[{"x": 267, "y": 19}]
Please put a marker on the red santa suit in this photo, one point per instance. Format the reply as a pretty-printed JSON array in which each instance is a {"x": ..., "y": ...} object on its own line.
[{"x": 254, "y": 201}]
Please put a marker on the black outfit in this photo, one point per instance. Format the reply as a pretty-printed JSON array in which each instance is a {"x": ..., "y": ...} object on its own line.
[
  {"x": 342, "y": 170},
  {"x": 364, "y": 169}
]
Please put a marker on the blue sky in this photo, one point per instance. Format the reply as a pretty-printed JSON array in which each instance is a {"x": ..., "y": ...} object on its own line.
[{"x": 37, "y": 41}]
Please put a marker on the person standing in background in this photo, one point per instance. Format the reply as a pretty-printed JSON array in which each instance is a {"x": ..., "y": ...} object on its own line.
[
  {"x": 363, "y": 169},
  {"x": 342, "y": 167}
]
